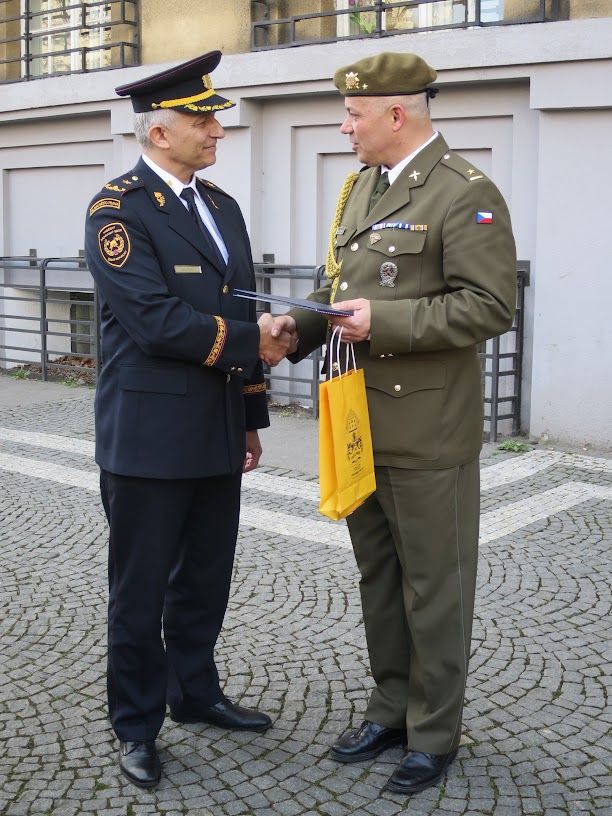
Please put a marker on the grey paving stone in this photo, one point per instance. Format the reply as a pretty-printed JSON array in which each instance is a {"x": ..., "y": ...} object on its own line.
[{"x": 293, "y": 644}]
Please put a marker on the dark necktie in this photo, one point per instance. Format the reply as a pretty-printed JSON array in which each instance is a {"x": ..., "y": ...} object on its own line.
[
  {"x": 381, "y": 187},
  {"x": 188, "y": 195}
]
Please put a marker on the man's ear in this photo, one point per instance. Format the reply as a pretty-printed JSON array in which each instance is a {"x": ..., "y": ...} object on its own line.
[
  {"x": 158, "y": 138},
  {"x": 398, "y": 116}
]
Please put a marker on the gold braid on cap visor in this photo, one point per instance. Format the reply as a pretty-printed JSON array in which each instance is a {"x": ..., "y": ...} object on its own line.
[
  {"x": 332, "y": 267},
  {"x": 186, "y": 100}
]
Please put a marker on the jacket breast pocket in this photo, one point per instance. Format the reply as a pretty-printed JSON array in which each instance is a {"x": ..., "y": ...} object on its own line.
[
  {"x": 405, "y": 401},
  {"x": 398, "y": 258},
  {"x": 392, "y": 242},
  {"x": 153, "y": 380}
]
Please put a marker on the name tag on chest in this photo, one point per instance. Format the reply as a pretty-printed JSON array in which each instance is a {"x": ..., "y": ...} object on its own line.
[{"x": 187, "y": 270}]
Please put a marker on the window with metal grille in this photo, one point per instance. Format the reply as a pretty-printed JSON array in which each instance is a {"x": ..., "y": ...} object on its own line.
[
  {"x": 286, "y": 23},
  {"x": 49, "y": 37}
]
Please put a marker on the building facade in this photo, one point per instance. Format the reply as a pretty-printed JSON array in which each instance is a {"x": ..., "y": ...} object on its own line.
[{"x": 525, "y": 94}]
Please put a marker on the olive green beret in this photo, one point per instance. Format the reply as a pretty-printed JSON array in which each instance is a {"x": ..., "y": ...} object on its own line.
[{"x": 386, "y": 74}]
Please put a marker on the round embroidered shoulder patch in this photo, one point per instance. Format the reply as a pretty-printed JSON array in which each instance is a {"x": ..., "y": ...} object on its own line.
[{"x": 114, "y": 244}]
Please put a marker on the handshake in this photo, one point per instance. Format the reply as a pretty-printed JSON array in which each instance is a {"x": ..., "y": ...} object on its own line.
[{"x": 277, "y": 337}]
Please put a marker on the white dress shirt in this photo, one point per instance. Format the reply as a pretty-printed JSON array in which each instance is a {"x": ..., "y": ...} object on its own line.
[
  {"x": 177, "y": 187},
  {"x": 395, "y": 171}
]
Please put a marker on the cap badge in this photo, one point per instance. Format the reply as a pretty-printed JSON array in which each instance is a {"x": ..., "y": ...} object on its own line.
[
  {"x": 352, "y": 81},
  {"x": 207, "y": 82},
  {"x": 161, "y": 199},
  {"x": 388, "y": 274}
]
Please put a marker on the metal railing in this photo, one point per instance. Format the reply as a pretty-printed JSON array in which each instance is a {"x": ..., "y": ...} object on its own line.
[
  {"x": 356, "y": 19},
  {"x": 34, "y": 306},
  {"x": 288, "y": 385},
  {"x": 66, "y": 37},
  {"x": 501, "y": 360},
  {"x": 35, "y": 300}
]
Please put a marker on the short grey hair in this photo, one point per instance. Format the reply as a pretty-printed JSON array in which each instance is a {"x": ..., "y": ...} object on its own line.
[
  {"x": 143, "y": 122},
  {"x": 415, "y": 105}
]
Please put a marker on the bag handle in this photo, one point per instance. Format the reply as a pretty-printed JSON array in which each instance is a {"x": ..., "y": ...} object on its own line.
[{"x": 337, "y": 336}]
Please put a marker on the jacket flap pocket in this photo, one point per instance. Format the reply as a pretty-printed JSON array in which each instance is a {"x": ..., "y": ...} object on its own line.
[
  {"x": 153, "y": 380},
  {"x": 397, "y": 242},
  {"x": 398, "y": 378}
]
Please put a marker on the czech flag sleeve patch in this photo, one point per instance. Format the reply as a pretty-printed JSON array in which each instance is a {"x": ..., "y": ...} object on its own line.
[{"x": 484, "y": 217}]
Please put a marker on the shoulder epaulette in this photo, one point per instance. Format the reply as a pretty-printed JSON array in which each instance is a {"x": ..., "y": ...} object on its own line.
[
  {"x": 211, "y": 186},
  {"x": 462, "y": 167},
  {"x": 123, "y": 184},
  {"x": 111, "y": 194}
]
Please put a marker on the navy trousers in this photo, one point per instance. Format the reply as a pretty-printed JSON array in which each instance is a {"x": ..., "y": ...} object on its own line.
[{"x": 171, "y": 553}]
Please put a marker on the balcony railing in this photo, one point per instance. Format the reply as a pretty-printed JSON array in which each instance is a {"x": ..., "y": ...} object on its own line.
[
  {"x": 321, "y": 21},
  {"x": 52, "y": 37}
]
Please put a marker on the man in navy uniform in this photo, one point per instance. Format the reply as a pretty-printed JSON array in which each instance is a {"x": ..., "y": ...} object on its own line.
[{"x": 180, "y": 398}]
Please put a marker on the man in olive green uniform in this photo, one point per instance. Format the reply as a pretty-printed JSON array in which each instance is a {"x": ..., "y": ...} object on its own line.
[{"x": 422, "y": 251}]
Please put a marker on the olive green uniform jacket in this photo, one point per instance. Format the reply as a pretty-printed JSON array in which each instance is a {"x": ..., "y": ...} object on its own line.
[{"x": 453, "y": 279}]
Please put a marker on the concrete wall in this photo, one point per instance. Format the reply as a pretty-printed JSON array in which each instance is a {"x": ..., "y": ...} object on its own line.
[
  {"x": 180, "y": 29},
  {"x": 572, "y": 377},
  {"x": 531, "y": 105}
]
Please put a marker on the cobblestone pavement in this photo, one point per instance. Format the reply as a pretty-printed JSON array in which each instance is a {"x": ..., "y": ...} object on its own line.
[{"x": 536, "y": 732}]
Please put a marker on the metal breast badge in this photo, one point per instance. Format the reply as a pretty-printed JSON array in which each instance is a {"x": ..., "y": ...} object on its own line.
[{"x": 388, "y": 274}]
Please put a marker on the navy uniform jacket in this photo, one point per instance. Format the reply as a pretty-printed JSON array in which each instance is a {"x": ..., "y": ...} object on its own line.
[{"x": 181, "y": 379}]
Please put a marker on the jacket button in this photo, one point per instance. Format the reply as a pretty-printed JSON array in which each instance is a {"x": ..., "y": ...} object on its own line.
[
  {"x": 228, "y": 378},
  {"x": 391, "y": 248},
  {"x": 382, "y": 356},
  {"x": 397, "y": 387},
  {"x": 225, "y": 289},
  {"x": 344, "y": 286},
  {"x": 239, "y": 370},
  {"x": 354, "y": 246}
]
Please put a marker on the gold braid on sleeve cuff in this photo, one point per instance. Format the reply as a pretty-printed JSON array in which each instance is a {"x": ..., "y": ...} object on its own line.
[
  {"x": 217, "y": 346},
  {"x": 258, "y": 388},
  {"x": 332, "y": 267}
]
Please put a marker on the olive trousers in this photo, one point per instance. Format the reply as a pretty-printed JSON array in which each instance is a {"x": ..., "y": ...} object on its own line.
[{"x": 416, "y": 544}]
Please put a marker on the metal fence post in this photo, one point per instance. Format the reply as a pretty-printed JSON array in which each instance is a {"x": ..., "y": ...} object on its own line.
[
  {"x": 494, "y": 390},
  {"x": 97, "y": 332},
  {"x": 43, "y": 317}
]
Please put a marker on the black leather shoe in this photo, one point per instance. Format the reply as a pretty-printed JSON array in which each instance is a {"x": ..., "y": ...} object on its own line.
[
  {"x": 140, "y": 763},
  {"x": 226, "y": 715},
  {"x": 366, "y": 742},
  {"x": 418, "y": 771}
]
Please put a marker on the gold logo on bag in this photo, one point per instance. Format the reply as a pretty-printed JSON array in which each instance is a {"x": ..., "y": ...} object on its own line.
[{"x": 354, "y": 442}]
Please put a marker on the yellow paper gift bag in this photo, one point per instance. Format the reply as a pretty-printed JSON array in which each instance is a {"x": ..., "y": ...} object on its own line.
[{"x": 346, "y": 461}]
